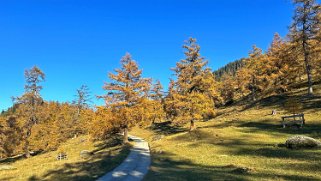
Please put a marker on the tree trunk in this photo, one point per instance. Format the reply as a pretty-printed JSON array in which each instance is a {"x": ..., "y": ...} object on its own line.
[
  {"x": 26, "y": 149},
  {"x": 308, "y": 69},
  {"x": 26, "y": 146},
  {"x": 154, "y": 119},
  {"x": 192, "y": 127},
  {"x": 78, "y": 114},
  {"x": 309, "y": 74},
  {"x": 253, "y": 89},
  {"x": 125, "y": 135},
  {"x": 306, "y": 52}
]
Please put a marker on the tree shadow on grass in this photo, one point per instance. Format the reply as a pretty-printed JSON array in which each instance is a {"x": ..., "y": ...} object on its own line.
[
  {"x": 313, "y": 130},
  {"x": 167, "y": 166},
  {"x": 302, "y": 160},
  {"x": 275, "y": 101},
  {"x": 278, "y": 152},
  {"x": 196, "y": 135},
  {"x": 12, "y": 159},
  {"x": 109, "y": 143},
  {"x": 294, "y": 160},
  {"x": 222, "y": 124},
  {"x": 271, "y": 126},
  {"x": 100, "y": 162},
  {"x": 167, "y": 128},
  {"x": 309, "y": 103},
  {"x": 245, "y": 146}
]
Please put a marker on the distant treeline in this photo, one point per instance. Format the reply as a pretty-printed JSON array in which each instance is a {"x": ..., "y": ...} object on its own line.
[{"x": 230, "y": 69}]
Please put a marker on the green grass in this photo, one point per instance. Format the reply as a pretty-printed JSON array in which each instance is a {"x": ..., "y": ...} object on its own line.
[
  {"x": 240, "y": 144},
  {"x": 106, "y": 156}
]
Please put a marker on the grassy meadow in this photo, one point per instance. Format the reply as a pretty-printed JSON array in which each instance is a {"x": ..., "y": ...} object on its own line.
[
  {"x": 245, "y": 142},
  {"x": 106, "y": 156}
]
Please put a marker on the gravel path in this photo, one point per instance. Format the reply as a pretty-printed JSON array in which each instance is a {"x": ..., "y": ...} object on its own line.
[{"x": 136, "y": 165}]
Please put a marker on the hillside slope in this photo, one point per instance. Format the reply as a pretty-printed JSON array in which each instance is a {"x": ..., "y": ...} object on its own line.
[
  {"x": 105, "y": 157},
  {"x": 242, "y": 143}
]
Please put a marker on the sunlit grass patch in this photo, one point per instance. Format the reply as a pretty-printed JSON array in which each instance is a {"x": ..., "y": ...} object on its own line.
[
  {"x": 105, "y": 156},
  {"x": 244, "y": 145}
]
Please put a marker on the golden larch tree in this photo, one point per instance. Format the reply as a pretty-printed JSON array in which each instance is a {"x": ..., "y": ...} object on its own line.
[
  {"x": 303, "y": 33},
  {"x": 125, "y": 92},
  {"x": 30, "y": 102},
  {"x": 195, "y": 86},
  {"x": 157, "y": 101}
]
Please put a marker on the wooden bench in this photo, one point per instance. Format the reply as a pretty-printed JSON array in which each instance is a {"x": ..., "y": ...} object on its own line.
[
  {"x": 62, "y": 156},
  {"x": 296, "y": 119}
]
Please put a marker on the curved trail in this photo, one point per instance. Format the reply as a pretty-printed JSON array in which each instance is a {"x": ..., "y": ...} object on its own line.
[{"x": 135, "y": 166}]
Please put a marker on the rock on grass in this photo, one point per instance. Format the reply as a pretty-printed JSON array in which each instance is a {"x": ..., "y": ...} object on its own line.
[
  {"x": 85, "y": 154},
  {"x": 297, "y": 142}
]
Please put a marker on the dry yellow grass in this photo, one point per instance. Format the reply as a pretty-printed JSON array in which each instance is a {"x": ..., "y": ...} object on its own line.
[
  {"x": 241, "y": 144},
  {"x": 45, "y": 166}
]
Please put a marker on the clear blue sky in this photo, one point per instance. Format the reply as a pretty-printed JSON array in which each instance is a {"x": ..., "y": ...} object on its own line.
[{"x": 78, "y": 42}]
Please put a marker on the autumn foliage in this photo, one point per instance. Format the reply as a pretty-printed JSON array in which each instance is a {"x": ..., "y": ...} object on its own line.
[
  {"x": 33, "y": 124},
  {"x": 289, "y": 60},
  {"x": 126, "y": 94},
  {"x": 192, "y": 95}
]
